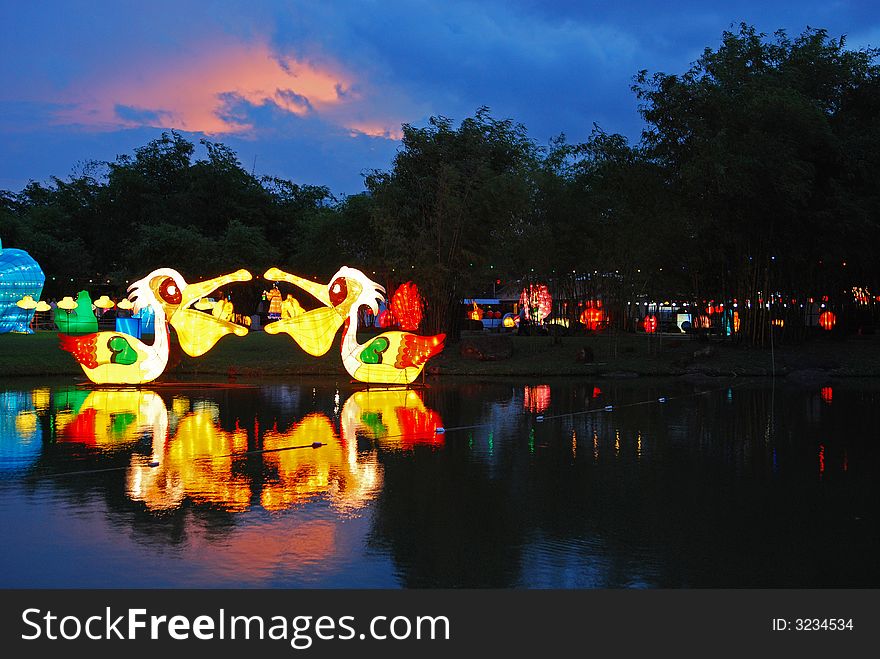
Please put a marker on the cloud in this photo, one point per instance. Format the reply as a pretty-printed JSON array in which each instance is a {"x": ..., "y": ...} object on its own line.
[
  {"x": 375, "y": 130},
  {"x": 214, "y": 89},
  {"x": 193, "y": 93}
]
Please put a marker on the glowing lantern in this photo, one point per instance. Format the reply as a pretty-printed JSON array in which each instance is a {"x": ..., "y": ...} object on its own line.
[
  {"x": 650, "y": 324},
  {"x": 67, "y": 303},
  {"x": 290, "y": 307},
  {"x": 223, "y": 310},
  {"x": 124, "y": 304},
  {"x": 20, "y": 276},
  {"x": 508, "y": 321},
  {"x": 778, "y": 322},
  {"x": 736, "y": 321},
  {"x": 390, "y": 358},
  {"x": 476, "y": 313},
  {"x": 274, "y": 297},
  {"x": 827, "y": 320},
  {"x": 42, "y": 306},
  {"x": 118, "y": 358},
  {"x": 702, "y": 322},
  {"x": 593, "y": 318},
  {"x": 104, "y": 302},
  {"x": 827, "y": 394},
  {"x": 406, "y": 305},
  {"x": 27, "y": 302},
  {"x": 537, "y": 302}
]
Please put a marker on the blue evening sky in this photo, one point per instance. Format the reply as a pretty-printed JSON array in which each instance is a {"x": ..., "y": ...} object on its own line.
[{"x": 316, "y": 91}]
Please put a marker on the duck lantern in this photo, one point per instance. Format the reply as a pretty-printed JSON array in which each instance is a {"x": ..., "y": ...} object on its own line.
[
  {"x": 118, "y": 358},
  {"x": 393, "y": 357}
]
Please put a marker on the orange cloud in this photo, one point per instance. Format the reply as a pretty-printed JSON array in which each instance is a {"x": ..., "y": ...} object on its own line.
[
  {"x": 373, "y": 129},
  {"x": 199, "y": 93}
]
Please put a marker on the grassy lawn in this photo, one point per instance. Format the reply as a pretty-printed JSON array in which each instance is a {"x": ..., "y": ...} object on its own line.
[{"x": 259, "y": 354}]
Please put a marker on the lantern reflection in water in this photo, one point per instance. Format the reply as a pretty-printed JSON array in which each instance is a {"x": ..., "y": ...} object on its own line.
[
  {"x": 108, "y": 418},
  {"x": 394, "y": 417},
  {"x": 336, "y": 469},
  {"x": 195, "y": 464},
  {"x": 20, "y": 432},
  {"x": 191, "y": 457},
  {"x": 536, "y": 399}
]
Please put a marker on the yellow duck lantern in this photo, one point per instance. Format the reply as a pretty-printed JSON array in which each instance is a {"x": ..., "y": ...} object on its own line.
[
  {"x": 117, "y": 358},
  {"x": 394, "y": 357}
]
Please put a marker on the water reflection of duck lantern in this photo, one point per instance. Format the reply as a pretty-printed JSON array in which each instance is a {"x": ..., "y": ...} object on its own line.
[
  {"x": 394, "y": 416},
  {"x": 394, "y": 357},
  {"x": 109, "y": 417},
  {"x": 117, "y": 358},
  {"x": 196, "y": 463},
  {"x": 335, "y": 470}
]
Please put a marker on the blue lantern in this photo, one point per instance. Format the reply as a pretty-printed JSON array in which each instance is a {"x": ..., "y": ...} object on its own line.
[{"x": 20, "y": 275}]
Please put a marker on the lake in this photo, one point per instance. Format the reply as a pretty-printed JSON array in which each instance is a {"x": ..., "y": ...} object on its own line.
[{"x": 564, "y": 483}]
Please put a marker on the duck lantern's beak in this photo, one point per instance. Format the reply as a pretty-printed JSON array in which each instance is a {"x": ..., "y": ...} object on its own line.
[
  {"x": 314, "y": 330},
  {"x": 198, "y": 332}
]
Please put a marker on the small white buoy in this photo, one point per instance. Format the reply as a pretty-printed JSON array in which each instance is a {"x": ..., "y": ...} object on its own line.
[
  {"x": 539, "y": 418},
  {"x": 440, "y": 430},
  {"x": 608, "y": 408},
  {"x": 662, "y": 399}
]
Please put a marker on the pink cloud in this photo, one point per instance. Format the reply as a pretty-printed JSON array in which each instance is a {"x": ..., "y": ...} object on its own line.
[
  {"x": 374, "y": 129},
  {"x": 200, "y": 93}
]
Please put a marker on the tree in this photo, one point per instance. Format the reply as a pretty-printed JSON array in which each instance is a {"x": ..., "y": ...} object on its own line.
[
  {"x": 756, "y": 142},
  {"x": 449, "y": 191}
]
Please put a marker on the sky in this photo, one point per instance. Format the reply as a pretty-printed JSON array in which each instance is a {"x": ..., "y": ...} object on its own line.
[{"x": 316, "y": 92}]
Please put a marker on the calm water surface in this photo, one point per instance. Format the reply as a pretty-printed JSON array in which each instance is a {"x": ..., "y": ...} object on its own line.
[{"x": 533, "y": 484}]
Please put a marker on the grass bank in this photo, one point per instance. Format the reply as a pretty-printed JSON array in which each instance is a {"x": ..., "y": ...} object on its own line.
[{"x": 259, "y": 354}]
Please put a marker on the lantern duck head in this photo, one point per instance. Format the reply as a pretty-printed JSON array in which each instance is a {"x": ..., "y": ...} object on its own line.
[
  {"x": 314, "y": 330},
  {"x": 171, "y": 297}
]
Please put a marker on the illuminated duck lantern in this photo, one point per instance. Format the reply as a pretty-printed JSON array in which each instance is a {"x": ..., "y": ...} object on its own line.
[
  {"x": 118, "y": 358},
  {"x": 20, "y": 275},
  {"x": 394, "y": 357}
]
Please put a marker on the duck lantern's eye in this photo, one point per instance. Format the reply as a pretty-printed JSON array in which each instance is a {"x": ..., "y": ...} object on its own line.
[
  {"x": 338, "y": 291},
  {"x": 169, "y": 291}
]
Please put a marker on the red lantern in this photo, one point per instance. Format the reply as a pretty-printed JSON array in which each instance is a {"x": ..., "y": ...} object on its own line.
[
  {"x": 406, "y": 307},
  {"x": 827, "y": 320},
  {"x": 650, "y": 324},
  {"x": 537, "y": 302},
  {"x": 592, "y": 318}
]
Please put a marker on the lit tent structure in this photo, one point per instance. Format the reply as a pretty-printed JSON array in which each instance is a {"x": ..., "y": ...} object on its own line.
[{"x": 20, "y": 275}]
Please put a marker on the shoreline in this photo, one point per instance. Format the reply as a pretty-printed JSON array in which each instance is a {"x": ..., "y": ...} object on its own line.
[{"x": 629, "y": 356}]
